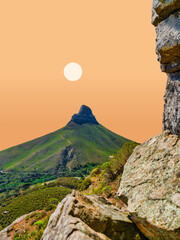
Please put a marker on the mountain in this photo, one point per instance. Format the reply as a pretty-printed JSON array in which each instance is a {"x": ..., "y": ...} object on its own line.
[{"x": 82, "y": 141}]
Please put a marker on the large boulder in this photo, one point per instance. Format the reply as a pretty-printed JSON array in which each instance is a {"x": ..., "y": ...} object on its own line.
[
  {"x": 80, "y": 217},
  {"x": 150, "y": 186}
]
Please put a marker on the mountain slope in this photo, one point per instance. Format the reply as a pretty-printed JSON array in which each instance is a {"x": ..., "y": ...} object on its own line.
[{"x": 81, "y": 142}]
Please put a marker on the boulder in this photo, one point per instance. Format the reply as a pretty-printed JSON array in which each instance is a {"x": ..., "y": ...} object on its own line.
[
  {"x": 150, "y": 186},
  {"x": 81, "y": 217}
]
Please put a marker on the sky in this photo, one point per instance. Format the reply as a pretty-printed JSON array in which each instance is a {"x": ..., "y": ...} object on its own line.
[{"x": 114, "y": 43}]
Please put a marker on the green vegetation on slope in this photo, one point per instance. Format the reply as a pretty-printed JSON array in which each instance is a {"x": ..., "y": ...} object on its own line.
[
  {"x": 86, "y": 143},
  {"x": 38, "y": 198},
  {"x": 105, "y": 179},
  {"x": 30, "y": 228},
  {"x": 70, "y": 151}
]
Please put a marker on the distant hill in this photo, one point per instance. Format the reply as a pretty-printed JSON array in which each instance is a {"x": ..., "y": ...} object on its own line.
[
  {"x": 81, "y": 142},
  {"x": 71, "y": 151}
]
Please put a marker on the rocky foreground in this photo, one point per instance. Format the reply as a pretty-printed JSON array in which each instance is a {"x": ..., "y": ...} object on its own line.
[
  {"x": 81, "y": 217},
  {"x": 151, "y": 187}
]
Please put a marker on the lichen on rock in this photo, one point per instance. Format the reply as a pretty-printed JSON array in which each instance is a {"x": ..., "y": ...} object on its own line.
[
  {"x": 151, "y": 184},
  {"x": 171, "y": 115},
  {"x": 84, "y": 217}
]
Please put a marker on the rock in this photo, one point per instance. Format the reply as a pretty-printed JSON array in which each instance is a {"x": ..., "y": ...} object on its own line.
[
  {"x": 162, "y": 9},
  {"x": 84, "y": 116},
  {"x": 88, "y": 217},
  {"x": 168, "y": 39},
  {"x": 150, "y": 185},
  {"x": 171, "y": 67},
  {"x": 171, "y": 115},
  {"x": 166, "y": 17}
]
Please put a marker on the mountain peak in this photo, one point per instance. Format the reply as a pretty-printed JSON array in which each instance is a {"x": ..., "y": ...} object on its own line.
[
  {"x": 85, "y": 110},
  {"x": 85, "y": 115}
]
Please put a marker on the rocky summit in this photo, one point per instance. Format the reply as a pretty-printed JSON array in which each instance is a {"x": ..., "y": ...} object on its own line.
[
  {"x": 85, "y": 115},
  {"x": 150, "y": 186},
  {"x": 166, "y": 18}
]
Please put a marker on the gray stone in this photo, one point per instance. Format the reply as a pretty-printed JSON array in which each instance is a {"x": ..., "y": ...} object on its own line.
[
  {"x": 171, "y": 115},
  {"x": 162, "y": 9},
  {"x": 168, "y": 39},
  {"x": 84, "y": 217},
  {"x": 176, "y": 199},
  {"x": 151, "y": 186}
]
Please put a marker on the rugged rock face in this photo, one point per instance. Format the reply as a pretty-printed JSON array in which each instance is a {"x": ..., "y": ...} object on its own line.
[
  {"x": 84, "y": 116},
  {"x": 150, "y": 182},
  {"x": 80, "y": 217},
  {"x": 151, "y": 187},
  {"x": 171, "y": 115},
  {"x": 166, "y": 17},
  {"x": 168, "y": 43},
  {"x": 161, "y": 9}
]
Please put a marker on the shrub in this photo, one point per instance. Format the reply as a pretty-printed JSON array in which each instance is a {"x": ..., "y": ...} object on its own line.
[
  {"x": 108, "y": 174},
  {"x": 85, "y": 184},
  {"x": 105, "y": 165},
  {"x": 122, "y": 156},
  {"x": 53, "y": 201},
  {"x": 39, "y": 223},
  {"x": 107, "y": 190},
  {"x": 95, "y": 171},
  {"x": 70, "y": 182},
  {"x": 32, "y": 200},
  {"x": 50, "y": 207}
]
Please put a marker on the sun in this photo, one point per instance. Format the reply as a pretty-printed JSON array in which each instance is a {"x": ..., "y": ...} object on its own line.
[{"x": 73, "y": 71}]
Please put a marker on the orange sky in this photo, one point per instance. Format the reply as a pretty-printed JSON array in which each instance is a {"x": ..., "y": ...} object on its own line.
[{"x": 113, "y": 41}]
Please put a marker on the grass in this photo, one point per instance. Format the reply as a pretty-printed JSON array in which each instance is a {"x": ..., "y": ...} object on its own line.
[
  {"x": 70, "y": 151},
  {"x": 39, "y": 198},
  {"x": 41, "y": 153},
  {"x": 105, "y": 178}
]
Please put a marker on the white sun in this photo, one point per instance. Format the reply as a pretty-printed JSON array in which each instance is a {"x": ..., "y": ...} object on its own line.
[{"x": 73, "y": 71}]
